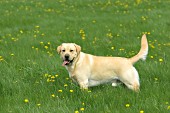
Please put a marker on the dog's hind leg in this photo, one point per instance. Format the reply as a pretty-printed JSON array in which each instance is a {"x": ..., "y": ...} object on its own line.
[{"x": 131, "y": 79}]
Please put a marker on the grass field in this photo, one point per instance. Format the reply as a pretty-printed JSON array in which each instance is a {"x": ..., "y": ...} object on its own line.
[{"x": 32, "y": 79}]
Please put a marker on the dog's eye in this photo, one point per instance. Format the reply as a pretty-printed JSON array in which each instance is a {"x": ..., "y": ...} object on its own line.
[
  {"x": 71, "y": 50},
  {"x": 63, "y": 50}
]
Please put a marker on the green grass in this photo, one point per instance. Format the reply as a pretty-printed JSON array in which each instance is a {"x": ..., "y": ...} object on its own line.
[{"x": 30, "y": 67}]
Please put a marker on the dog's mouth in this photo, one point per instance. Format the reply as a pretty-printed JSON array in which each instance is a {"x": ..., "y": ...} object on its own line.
[{"x": 67, "y": 62}]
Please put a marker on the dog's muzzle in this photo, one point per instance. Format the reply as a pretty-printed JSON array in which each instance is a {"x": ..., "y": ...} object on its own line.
[{"x": 67, "y": 60}]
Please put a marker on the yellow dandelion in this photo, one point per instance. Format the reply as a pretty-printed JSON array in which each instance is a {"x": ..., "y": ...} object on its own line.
[
  {"x": 21, "y": 31},
  {"x": 56, "y": 75},
  {"x": 76, "y": 111},
  {"x": 41, "y": 42},
  {"x": 149, "y": 33},
  {"x": 36, "y": 49},
  {"x": 1, "y": 58},
  {"x": 83, "y": 103},
  {"x": 46, "y": 47},
  {"x": 81, "y": 31},
  {"x": 48, "y": 43},
  {"x": 127, "y": 105},
  {"x": 46, "y": 75},
  {"x": 67, "y": 78},
  {"x": 168, "y": 107},
  {"x": 48, "y": 80},
  {"x": 35, "y": 36},
  {"x": 26, "y": 100},
  {"x": 33, "y": 47},
  {"x": 83, "y": 38},
  {"x": 94, "y": 21},
  {"x": 37, "y": 26},
  {"x": 167, "y": 103},
  {"x": 156, "y": 79},
  {"x": 160, "y": 60},
  {"x": 81, "y": 109},
  {"x": 141, "y": 111},
  {"x": 71, "y": 91},
  {"x": 151, "y": 57},
  {"x": 38, "y": 105},
  {"x": 52, "y": 77},
  {"x": 12, "y": 54},
  {"x": 112, "y": 48},
  {"x": 89, "y": 91},
  {"x": 42, "y": 34},
  {"x": 121, "y": 49},
  {"x": 52, "y": 95},
  {"x": 60, "y": 91},
  {"x": 65, "y": 85}
]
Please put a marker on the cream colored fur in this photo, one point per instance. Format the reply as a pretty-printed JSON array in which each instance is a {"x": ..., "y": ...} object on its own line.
[{"x": 89, "y": 70}]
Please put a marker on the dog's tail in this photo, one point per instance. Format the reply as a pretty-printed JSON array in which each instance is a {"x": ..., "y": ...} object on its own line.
[{"x": 143, "y": 51}]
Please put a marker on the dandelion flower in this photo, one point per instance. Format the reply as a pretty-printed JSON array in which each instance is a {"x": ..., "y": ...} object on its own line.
[
  {"x": 21, "y": 31},
  {"x": 52, "y": 77},
  {"x": 156, "y": 79},
  {"x": 89, "y": 91},
  {"x": 53, "y": 95},
  {"x": 76, "y": 111},
  {"x": 41, "y": 42},
  {"x": 65, "y": 85},
  {"x": 1, "y": 58},
  {"x": 168, "y": 107},
  {"x": 141, "y": 111},
  {"x": 94, "y": 21},
  {"x": 38, "y": 105},
  {"x": 48, "y": 80},
  {"x": 160, "y": 60},
  {"x": 26, "y": 100},
  {"x": 46, "y": 75},
  {"x": 46, "y": 47},
  {"x": 81, "y": 109},
  {"x": 12, "y": 54},
  {"x": 127, "y": 105},
  {"x": 71, "y": 91},
  {"x": 60, "y": 91},
  {"x": 166, "y": 102},
  {"x": 151, "y": 56},
  {"x": 67, "y": 78},
  {"x": 37, "y": 26}
]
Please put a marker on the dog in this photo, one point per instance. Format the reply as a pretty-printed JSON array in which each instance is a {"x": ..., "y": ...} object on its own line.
[{"x": 89, "y": 70}]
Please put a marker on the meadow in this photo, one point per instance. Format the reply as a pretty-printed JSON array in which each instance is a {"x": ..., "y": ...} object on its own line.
[{"x": 32, "y": 79}]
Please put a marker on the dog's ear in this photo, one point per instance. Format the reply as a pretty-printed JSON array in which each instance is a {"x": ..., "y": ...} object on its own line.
[
  {"x": 59, "y": 49},
  {"x": 78, "y": 48}
]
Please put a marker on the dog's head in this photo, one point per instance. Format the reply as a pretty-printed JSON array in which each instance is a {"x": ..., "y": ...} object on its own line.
[{"x": 68, "y": 52}]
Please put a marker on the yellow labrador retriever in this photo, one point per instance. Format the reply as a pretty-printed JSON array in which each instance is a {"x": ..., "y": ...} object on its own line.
[{"x": 89, "y": 70}]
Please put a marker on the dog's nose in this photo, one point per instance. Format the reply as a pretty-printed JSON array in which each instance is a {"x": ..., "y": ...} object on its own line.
[{"x": 67, "y": 56}]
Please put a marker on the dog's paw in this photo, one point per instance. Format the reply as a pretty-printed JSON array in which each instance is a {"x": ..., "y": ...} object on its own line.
[{"x": 114, "y": 84}]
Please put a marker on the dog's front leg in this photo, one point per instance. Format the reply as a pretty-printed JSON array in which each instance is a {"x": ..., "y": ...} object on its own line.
[{"x": 83, "y": 84}]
